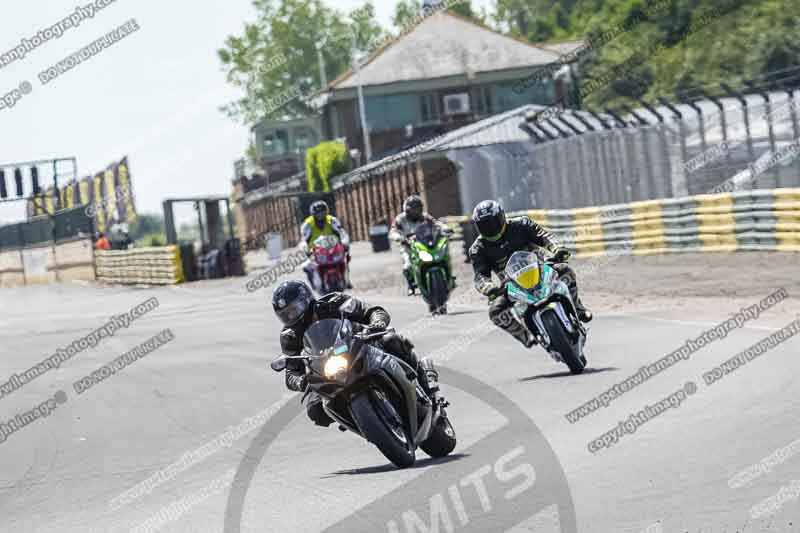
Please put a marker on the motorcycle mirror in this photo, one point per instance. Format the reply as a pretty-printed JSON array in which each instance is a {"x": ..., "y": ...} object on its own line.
[{"x": 278, "y": 364}]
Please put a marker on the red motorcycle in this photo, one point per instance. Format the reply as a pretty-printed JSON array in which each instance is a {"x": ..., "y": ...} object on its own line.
[{"x": 330, "y": 260}]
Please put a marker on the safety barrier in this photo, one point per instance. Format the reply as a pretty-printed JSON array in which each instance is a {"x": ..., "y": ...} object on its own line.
[
  {"x": 144, "y": 266},
  {"x": 69, "y": 260},
  {"x": 758, "y": 220}
]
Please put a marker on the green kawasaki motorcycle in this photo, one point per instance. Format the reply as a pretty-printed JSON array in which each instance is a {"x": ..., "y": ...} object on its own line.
[{"x": 430, "y": 265}]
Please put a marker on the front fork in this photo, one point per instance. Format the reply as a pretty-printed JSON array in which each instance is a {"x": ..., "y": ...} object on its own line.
[{"x": 570, "y": 322}]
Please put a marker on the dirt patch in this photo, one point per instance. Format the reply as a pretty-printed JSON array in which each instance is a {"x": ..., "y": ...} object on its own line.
[{"x": 697, "y": 286}]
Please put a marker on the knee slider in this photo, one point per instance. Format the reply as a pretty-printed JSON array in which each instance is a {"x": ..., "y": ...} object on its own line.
[{"x": 318, "y": 415}]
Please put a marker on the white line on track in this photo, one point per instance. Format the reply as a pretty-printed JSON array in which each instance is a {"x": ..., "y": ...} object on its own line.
[{"x": 683, "y": 322}]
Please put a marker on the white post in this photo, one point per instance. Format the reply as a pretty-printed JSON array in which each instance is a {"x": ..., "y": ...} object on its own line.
[{"x": 361, "y": 108}]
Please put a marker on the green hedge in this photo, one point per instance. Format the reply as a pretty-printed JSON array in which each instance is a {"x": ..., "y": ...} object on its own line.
[{"x": 323, "y": 162}]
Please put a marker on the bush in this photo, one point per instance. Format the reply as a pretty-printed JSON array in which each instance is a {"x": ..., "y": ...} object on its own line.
[
  {"x": 152, "y": 239},
  {"x": 323, "y": 162}
]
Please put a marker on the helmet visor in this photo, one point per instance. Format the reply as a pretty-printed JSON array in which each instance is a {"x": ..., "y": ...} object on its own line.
[
  {"x": 293, "y": 312},
  {"x": 414, "y": 212},
  {"x": 491, "y": 227}
]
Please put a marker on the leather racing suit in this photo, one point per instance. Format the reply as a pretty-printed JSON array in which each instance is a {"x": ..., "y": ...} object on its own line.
[
  {"x": 489, "y": 257},
  {"x": 362, "y": 315}
]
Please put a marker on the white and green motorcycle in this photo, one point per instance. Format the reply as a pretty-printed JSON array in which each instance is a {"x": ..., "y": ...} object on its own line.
[{"x": 544, "y": 306}]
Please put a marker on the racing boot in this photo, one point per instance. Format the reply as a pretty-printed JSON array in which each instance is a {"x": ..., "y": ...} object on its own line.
[
  {"x": 310, "y": 271},
  {"x": 519, "y": 332},
  {"x": 429, "y": 380},
  {"x": 347, "y": 282},
  {"x": 412, "y": 289},
  {"x": 584, "y": 314}
]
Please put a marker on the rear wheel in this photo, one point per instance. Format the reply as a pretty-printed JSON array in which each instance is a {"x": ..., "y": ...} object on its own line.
[
  {"x": 335, "y": 283},
  {"x": 560, "y": 342},
  {"x": 442, "y": 439},
  {"x": 381, "y": 424}
]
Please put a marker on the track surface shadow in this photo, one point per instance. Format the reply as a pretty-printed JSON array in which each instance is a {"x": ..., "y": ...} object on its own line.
[
  {"x": 471, "y": 312},
  {"x": 421, "y": 463},
  {"x": 567, "y": 373}
]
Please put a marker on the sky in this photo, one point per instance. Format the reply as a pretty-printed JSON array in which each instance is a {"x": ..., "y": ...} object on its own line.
[{"x": 153, "y": 96}]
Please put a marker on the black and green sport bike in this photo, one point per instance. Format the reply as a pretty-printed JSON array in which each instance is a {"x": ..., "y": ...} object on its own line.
[{"x": 430, "y": 265}]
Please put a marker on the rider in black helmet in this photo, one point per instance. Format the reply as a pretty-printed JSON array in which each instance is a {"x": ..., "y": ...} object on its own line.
[
  {"x": 499, "y": 238},
  {"x": 295, "y": 306},
  {"x": 405, "y": 224}
]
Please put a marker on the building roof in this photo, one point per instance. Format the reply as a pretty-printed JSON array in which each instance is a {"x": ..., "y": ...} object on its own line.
[
  {"x": 508, "y": 127},
  {"x": 445, "y": 44},
  {"x": 563, "y": 47},
  {"x": 500, "y": 128}
]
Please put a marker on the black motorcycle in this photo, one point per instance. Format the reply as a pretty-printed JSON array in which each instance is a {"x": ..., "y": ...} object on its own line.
[{"x": 372, "y": 393}]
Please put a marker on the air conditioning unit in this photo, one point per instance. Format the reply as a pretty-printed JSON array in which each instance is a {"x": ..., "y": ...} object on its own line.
[{"x": 456, "y": 104}]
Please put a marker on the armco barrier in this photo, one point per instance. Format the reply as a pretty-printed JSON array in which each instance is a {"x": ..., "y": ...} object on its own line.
[
  {"x": 144, "y": 266},
  {"x": 759, "y": 220}
]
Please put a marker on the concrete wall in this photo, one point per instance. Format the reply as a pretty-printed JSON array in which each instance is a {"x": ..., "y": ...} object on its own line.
[
  {"x": 11, "y": 273},
  {"x": 73, "y": 260}
]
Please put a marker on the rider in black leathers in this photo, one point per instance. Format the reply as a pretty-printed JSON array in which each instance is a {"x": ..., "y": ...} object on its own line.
[
  {"x": 499, "y": 239},
  {"x": 296, "y": 307}
]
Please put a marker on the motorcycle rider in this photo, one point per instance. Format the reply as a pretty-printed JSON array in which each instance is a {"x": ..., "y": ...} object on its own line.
[
  {"x": 498, "y": 240},
  {"x": 321, "y": 222},
  {"x": 405, "y": 224},
  {"x": 295, "y": 306}
]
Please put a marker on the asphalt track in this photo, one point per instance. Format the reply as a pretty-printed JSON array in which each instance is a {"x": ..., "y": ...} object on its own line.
[{"x": 60, "y": 473}]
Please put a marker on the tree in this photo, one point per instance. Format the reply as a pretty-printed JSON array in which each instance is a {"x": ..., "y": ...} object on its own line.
[
  {"x": 407, "y": 10},
  {"x": 741, "y": 40},
  {"x": 404, "y": 12},
  {"x": 323, "y": 162},
  {"x": 466, "y": 10},
  {"x": 275, "y": 63},
  {"x": 146, "y": 224}
]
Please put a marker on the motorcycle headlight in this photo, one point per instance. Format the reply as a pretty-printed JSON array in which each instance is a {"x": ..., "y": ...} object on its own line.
[
  {"x": 425, "y": 256},
  {"x": 334, "y": 365}
]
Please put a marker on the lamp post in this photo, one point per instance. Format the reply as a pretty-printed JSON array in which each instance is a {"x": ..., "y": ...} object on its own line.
[{"x": 361, "y": 107}]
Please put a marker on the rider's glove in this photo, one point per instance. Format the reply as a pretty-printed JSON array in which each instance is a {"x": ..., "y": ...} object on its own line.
[
  {"x": 561, "y": 255},
  {"x": 375, "y": 327},
  {"x": 494, "y": 292}
]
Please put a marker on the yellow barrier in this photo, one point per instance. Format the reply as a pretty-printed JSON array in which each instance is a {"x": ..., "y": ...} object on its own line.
[{"x": 146, "y": 266}]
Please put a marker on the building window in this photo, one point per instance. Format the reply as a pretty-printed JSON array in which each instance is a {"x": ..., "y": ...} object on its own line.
[
  {"x": 431, "y": 110},
  {"x": 304, "y": 138},
  {"x": 482, "y": 100},
  {"x": 276, "y": 143}
]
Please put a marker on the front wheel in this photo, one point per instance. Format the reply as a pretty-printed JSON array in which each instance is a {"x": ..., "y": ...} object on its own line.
[
  {"x": 560, "y": 342},
  {"x": 380, "y": 423},
  {"x": 438, "y": 290}
]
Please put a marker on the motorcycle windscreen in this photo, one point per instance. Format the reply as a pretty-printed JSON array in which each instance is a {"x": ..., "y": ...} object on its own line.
[
  {"x": 326, "y": 334},
  {"x": 523, "y": 268},
  {"x": 326, "y": 241},
  {"x": 427, "y": 234}
]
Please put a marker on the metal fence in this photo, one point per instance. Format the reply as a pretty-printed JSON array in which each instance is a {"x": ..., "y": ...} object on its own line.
[
  {"x": 63, "y": 225},
  {"x": 583, "y": 159}
]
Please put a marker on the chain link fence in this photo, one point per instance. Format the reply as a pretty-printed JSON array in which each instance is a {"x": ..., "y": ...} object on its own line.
[{"x": 656, "y": 152}]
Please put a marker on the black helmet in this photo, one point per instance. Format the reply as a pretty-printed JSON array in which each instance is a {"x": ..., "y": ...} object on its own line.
[
  {"x": 319, "y": 210},
  {"x": 490, "y": 218},
  {"x": 292, "y": 300},
  {"x": 413, "y": 207}
]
